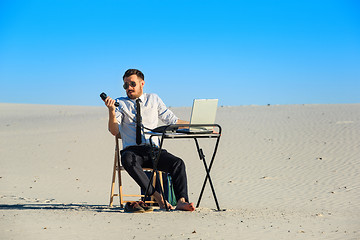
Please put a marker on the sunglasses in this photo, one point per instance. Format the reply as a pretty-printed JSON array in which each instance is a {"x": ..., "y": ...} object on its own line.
[{"x": 126, "y": 85}]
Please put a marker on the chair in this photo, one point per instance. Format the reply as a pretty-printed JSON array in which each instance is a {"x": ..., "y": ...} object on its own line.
[{"x": 117, "y": 170}]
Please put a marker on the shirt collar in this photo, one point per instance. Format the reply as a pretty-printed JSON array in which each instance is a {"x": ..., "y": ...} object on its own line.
[{"x": 142, "y": 98}]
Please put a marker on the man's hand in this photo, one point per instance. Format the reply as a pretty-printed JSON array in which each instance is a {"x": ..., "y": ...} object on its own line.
[
  {"x": 179, "y": 121},
  {"x": 113, "y": 124},
  {"x": 110, "y": 103}
]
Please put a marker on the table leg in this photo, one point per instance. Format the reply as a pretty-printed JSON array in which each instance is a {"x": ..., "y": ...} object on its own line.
[{"x": 207, "y": 169}]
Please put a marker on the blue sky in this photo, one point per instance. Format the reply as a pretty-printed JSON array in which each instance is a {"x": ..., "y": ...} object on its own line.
[{"x": 242, "y": 52}]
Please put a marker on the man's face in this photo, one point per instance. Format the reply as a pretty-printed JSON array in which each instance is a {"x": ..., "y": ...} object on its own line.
[{"x": 134, "y": 92}]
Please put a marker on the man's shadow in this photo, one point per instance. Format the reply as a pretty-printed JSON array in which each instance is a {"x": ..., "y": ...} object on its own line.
[{"x": 60, "y": 206}]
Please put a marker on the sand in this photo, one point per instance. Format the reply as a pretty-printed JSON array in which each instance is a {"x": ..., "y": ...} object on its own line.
[{"x": 282, "y": 172}]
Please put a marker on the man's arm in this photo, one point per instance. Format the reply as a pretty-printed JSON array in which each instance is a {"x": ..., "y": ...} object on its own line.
[{"x": 113, "y": 125}]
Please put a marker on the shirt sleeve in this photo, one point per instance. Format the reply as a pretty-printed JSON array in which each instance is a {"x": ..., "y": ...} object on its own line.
[
  {"x": 165, "y": 114},
  {"x": 119, "y": 116}
]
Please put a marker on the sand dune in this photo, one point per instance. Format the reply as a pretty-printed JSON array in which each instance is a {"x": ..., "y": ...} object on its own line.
[{"x": 281, "y": 172}]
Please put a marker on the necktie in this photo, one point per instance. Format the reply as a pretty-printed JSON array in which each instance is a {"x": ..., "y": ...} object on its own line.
[{"x": 138, "y": 122}]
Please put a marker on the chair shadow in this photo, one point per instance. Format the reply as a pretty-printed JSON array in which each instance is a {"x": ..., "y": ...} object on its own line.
[{"x": 60, "y": 206}]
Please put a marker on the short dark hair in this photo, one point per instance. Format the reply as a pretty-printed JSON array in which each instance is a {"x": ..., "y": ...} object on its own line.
[{"x": 136, "y": 72}]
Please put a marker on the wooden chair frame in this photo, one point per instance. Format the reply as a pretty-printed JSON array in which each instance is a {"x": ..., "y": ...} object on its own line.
[{"x": 117, "y": 171}]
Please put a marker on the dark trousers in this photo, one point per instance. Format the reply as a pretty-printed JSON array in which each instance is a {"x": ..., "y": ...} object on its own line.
[{"x": 134, "y": 158}]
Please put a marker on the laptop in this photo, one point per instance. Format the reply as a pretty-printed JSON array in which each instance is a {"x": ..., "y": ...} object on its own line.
[{"x": 203, "y": 112}]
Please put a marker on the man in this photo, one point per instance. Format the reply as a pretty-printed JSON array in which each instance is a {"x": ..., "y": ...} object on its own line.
[{"x": 146, "y": 109}]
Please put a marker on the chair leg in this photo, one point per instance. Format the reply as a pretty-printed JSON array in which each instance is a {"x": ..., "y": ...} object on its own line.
[
  {"x": 120, "y": 183},
  {"x": 154, "y": 184},
  {"x": 161, "y": 181},
  {"x": 113, "y": 184},
  {"x": 118, "y": 170}
]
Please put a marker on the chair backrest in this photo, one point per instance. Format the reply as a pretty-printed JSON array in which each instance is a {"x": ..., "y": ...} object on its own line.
[{"x": 117, "y": 138}]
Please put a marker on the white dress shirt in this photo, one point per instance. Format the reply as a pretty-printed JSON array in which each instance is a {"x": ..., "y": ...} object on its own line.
[{"x": 152, "y": 109}]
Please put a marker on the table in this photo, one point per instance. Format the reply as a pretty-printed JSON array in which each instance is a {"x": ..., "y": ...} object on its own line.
[{"x": 169, "y": 132}]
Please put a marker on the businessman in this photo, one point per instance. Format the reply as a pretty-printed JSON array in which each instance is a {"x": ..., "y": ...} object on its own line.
[{"x": 137, "y": 111}]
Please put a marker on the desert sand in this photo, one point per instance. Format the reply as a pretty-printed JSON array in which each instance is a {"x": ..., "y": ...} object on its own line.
[{"x": 281, "y": 172}]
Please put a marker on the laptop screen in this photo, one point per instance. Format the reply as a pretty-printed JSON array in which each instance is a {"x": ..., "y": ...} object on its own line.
[{"x": 203, "y": 111}]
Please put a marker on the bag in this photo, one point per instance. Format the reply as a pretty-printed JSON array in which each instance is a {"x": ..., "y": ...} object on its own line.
[{"x": 168, "y": 187}]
